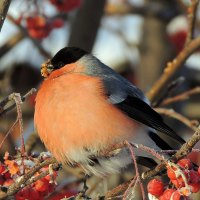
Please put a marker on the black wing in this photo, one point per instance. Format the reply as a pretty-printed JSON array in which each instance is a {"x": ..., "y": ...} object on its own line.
[
  {"x": 128, "y": 98},
  {"x": 142, "y": 112}
]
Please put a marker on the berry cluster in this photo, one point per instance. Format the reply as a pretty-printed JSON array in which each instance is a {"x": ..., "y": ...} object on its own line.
[
  {"x": 184, "y": 180},
  {"x": 11, "y": 171},
  {"x": 39, "y": 25}
]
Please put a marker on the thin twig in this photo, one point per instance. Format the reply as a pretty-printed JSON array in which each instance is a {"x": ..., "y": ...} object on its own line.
[
  {"x": 149, "y": 150},
  {"x": 180, "y": 97},
  {"x": 192, "y": 12},
  {"x": 109, "y": 151},
  {"x": 174, "y": 151},
  {"x": 8, "y": 132},
  {"x": 169, "y": 89},
  {"x": 136, "y": 169},
  {"x": 172, "y": 67},
  {"x": 4, "y": 108},
  {"x": 18, "y": 102},
  {"x": 4, "y": 5},
  {"x": 133, "y": 181},
  {"x": 171, "y": 113}
]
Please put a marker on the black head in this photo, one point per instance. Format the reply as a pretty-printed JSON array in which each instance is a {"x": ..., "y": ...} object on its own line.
[{"x": 66, "y": 56}]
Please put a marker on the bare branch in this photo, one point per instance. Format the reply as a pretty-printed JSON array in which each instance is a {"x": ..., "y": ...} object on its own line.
[
  {"x": 136, "y": 170},
  {"x": 18, "y": 101},
  {"x": 8, "y": 132},
  {"x": 180, "y": 97},
  {"x": 169, "y": 89},
  {"x": 171, "y": 113},
  {"x": 172, "y": 68},
  {"x": 192, "y": 12},
  {"x": 7, "y": 104}
]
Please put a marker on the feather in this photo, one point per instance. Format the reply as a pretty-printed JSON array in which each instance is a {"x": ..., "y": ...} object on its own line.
[{"x": 143, "y": 113}]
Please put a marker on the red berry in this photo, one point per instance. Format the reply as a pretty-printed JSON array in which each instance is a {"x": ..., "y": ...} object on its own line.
[
  {"x": 42, "y": 185},
  {"x": 178, "y": 183},
  {"x": 23, "y": 194},
  {"x": 51, "y": 188},
  {"x": 58, "y": 23},
  {"x": 38, "y": 34},
  {"x": 178, "y": 40},
  {"x": 171, "y": 174},
  {"x": 176, "y": 195},
  {"x": 195, "y": 187},
  {"x": 48, "y": 177},
  {"x": 155, "y": 187},
  {"x": 36, "y": 21},
  {"x": 170, "y": 194},
  {"x": 185, "y": 163},
  {"x": 38, "y": 26},
  {"x": 8, "y": 182},
  {"x": 2, "y": 168},
  {"x": 34, "y": 194},
  {"x": 194, "y": 176},
  {"x": 7, "y": 175}
]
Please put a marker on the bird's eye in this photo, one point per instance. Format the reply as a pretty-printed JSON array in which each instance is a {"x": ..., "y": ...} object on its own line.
[
  {"x": 50, "y": 67},
  {"x": 60, "y": 64}
]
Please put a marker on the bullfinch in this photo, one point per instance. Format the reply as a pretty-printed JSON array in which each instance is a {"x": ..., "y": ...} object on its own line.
[{"x": 83, "y": 107}]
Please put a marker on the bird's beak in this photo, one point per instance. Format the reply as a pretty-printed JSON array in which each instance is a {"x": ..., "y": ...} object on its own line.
[{"x": 46, "y": 69}]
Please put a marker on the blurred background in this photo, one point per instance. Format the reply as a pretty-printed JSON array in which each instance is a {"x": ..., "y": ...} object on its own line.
[{"x": 134, "y": 37}]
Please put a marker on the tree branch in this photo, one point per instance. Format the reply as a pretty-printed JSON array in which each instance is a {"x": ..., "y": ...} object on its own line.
[
  {"x": 172, "y": 68},
  {"x": 7, "y": 103},
  {"x": 4, "y": 5},
  {"x": 180, "y": 97},
  {"x": 193, "y": 124},
  {"x": 192, "y": 12}
]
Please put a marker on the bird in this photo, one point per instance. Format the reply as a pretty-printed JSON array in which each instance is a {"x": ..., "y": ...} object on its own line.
[{"x": 83, "y": 108}]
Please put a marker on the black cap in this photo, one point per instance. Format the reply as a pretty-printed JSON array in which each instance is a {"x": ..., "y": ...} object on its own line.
[{"x": 66, "y": 56}]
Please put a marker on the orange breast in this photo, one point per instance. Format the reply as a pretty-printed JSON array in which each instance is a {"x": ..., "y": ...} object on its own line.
[{"x": 72, "y": 114}]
